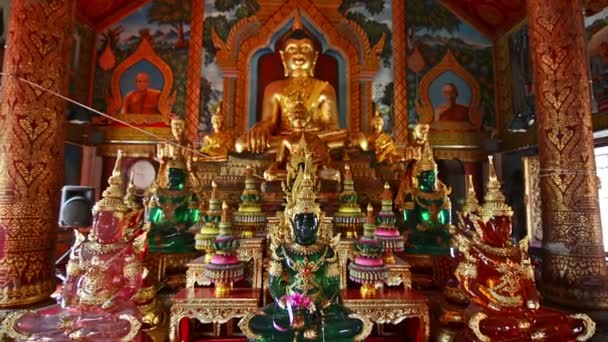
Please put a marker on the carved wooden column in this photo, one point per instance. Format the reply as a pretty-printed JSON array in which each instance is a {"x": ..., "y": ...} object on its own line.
[
  {"x": 573, "y": 260},
  {"x": 31, "y": 147},
  {"x": 400, "y": 71},
  {"x": 195, "y": 61}
]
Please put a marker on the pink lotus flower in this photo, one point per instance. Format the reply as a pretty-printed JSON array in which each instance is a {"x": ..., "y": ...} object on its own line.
[{"x": 298, "y": 300}]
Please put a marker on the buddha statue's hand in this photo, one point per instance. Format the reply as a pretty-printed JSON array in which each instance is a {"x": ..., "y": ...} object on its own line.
[{"x": 258, "y": 139}]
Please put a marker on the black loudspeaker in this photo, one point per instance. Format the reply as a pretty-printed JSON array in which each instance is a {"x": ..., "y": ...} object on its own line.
[{"x": 76, "y": 205}]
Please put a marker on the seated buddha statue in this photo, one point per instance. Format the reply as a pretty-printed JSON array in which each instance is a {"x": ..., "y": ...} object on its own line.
[
  {"x": 104, "y": 272},
  {"x": 426, "y": 207},
  {"x": 300, "y": 119},
  {"x": 304, "y": 277},
  {"x": 499, "y": 278},
  {"x": 218, "y": 143},
  {"x": 299, "y": 56},
  {"x": 173, "y": 207},
  {"x": 380, "y": 142}
]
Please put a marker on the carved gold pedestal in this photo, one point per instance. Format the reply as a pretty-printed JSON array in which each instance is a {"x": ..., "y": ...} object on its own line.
[
  {"x": 162, "y": 265},
  {"x": 391, "y": 306},
  {"x": 203, "y": 305}
]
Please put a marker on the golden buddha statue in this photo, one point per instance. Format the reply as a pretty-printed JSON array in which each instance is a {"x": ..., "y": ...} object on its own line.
[
  {"x": 178, "y": 153},
  {"x": 218, "y": 143},
  {"x": 418, "y": 138},
  {"x": 499, "y": 278},
  {"x": 300, "y": 119},
  {"x": 380, "y": 142},
  {"x": 299, "y": 56}
]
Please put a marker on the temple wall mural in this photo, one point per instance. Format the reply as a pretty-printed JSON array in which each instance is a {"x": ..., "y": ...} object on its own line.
[
  {"x": 375, "y": 17},
  {"x": 450, "y": 71},
  {"x": 220, "y": 16},
  {"x": 141, "y": 64}
]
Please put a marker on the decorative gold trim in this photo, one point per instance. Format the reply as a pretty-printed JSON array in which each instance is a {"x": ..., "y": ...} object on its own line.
[
  {"x": 474, "y": 325},
  {"x": 244, "y": 326},
  {"x": 8, "y": 326},
  {"x": 133, "y": 330},
  {"x": 589, "y": 326},
  {"x": 368, "y": 325},
  {"x": 425, "y": 107}
]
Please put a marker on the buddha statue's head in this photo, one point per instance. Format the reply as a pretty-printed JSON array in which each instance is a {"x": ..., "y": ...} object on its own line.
[
  {"x": 425, "y": 171},
  {"x": 495, "y": 213},
  {"x": 305, "y": 228},
  {"x": 110, "y": 211},
  {"x": 377, "y": 123},
  {"x": 178, "y": 127},
  {"x": 420, "y": 134},
  {"x": 302, "y": 209},
  {"x": 176, "y": 178},
  {"x": 298, "y": 54}
]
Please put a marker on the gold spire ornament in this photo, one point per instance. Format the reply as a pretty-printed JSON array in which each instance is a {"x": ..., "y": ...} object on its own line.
[
  {"x": 131, "y": 196},
  {"x": 471, "y": 205},
  {"x": 349, "y": 219},
  {"x": 494, "y": 199},
  {"x": 112, "y": 195},
  {"x": 426, "y": 162}
]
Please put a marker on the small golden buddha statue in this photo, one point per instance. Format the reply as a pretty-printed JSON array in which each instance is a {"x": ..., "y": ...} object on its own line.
[
  {"x": 218, "y": 143},
  {"x": 176, "y": 154},
  {"x": 499, "y": 278},
  {"x": 299, "y": 56},
  {"x": 418, "y": 138},
  {"x": 290, "y": 143},
  {"x": 380, "y": 142}
]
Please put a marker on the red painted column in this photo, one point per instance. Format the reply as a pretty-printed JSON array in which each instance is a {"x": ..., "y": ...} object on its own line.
[
  {"x": 574, "y": 270},
  {"x": 32, "y": 135}
]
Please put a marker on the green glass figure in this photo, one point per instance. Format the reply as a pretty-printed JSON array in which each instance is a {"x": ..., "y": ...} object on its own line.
[
  {"x": 173, "y": 208},
  {"x": 304, "y": 278},
  {"x": 171, "y": 212},
  {"x": 426, "y": 207}
]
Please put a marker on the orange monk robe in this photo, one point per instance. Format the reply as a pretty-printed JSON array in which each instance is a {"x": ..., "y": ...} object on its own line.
[
  {"x": 455, "y": 112},
  {"x": 141, "y": 102}
]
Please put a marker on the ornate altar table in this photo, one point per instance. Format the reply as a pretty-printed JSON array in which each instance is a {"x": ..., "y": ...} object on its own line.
[
  {"x": 202, "y": 304},
  {"x": 392, "y": 306}
]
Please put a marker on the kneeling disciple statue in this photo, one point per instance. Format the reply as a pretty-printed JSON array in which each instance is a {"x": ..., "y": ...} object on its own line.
[
  {"x": 304, "y": 274},
  {"x": 104, "y": 272},
  {"x": 499, "y": 278}
]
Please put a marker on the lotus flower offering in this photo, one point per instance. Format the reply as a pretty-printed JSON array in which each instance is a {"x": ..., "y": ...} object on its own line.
[
  {"x": 368, "y": 269},
  {"x": 224, "y": 267},
  {"x": 250, "y": 219},
  {"x": 386, "y": 231},
  {"x": 210, "y": 229},
  {"x": 349, "y": 219}
]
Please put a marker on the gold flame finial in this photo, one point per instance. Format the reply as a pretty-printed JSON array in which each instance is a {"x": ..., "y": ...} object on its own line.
[
  {"x": 494, "y": 199},
  {"x": 112, "y": 197},
  {"x": 471, "y": 205}
]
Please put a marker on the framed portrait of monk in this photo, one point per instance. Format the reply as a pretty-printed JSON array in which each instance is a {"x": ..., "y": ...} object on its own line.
[
  {"x": 449, "y": 98},
  {"x": 142, "y": 89},
  {"x": 141, "y": 86}
]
